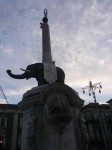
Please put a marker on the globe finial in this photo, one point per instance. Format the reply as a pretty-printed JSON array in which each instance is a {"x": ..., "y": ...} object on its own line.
[{"x": 45, "y": 19}]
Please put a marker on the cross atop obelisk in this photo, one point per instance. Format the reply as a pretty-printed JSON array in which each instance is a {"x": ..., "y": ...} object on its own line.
[{"x": 50, "y": 74}]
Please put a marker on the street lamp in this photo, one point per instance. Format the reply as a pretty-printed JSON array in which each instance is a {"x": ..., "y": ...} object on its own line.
[{"x": 91, "y": 89}]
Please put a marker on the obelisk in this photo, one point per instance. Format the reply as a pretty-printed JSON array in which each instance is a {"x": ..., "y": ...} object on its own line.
[{"x": 50, "y": 74}]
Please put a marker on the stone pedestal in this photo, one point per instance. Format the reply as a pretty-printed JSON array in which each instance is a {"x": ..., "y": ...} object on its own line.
[{"x": 50, "y": 115}]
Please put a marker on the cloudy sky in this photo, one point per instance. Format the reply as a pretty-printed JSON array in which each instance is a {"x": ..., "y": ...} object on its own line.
[{"x": 81, "y": 41}]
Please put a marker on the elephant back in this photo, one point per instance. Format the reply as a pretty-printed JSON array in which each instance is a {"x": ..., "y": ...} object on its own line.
[{"x": 60, "y": 75}]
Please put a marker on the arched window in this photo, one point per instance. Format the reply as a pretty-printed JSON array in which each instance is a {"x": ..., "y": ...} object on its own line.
[
  {"x": 3, "y": 122},
  {"x": 91, "y": 131}
]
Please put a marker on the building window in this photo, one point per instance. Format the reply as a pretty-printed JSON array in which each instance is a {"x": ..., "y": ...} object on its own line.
[
  {"x": 96, "y": 115},
  {"x": 99, "y": 134},
  {"x": 87, "y": 115},
  {"x": 92, "y": 115},
  {"x": 91, "y": 131},
  {"x": 21, "y": 121},
  {"x": 3, "y": 122}
]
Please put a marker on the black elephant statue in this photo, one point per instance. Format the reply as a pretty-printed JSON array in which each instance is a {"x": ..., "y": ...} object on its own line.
[{"x": 37, "y": 71}]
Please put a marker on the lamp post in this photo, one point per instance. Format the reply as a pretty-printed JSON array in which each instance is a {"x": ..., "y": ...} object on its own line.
[{"x": 91, "y": 90}]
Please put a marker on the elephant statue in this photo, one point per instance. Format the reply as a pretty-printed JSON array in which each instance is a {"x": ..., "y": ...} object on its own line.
[{"x": 37, "y": 71}]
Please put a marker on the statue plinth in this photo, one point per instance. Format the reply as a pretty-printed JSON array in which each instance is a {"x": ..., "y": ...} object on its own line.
[{"x": 50, "y": 115}]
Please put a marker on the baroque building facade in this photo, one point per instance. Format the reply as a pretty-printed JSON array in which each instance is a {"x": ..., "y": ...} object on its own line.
[
  {"x": 10, "y": 127},
  {"x": 98, "y": 121}
]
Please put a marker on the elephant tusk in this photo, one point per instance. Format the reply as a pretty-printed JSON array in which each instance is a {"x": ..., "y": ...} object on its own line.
[{"x": 25, "y": 70}]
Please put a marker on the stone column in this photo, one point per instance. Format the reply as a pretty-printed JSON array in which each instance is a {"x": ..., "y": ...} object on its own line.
[{"x": 14, "y": 132}]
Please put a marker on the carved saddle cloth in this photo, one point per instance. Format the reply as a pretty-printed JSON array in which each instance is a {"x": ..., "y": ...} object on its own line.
[{"x": 50, "y": 72}]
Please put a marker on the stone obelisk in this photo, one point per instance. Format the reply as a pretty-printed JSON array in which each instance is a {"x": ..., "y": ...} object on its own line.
[
  {"x": 46, "y": 44},
  {"x": 50, "y": 74}
]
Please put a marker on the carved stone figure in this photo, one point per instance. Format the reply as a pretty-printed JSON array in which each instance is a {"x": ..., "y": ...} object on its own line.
[
  {"x": 57, "y": 108},
  {"x": 37, "y": 71}
]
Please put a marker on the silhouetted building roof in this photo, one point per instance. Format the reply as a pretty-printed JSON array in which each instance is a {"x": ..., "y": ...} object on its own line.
[
  {"x": 110, "y": 101},
  {"x": 94, "y": 105}
]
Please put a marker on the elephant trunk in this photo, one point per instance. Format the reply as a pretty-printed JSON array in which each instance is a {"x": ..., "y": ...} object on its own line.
[{"x": 22, "y": 76}]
